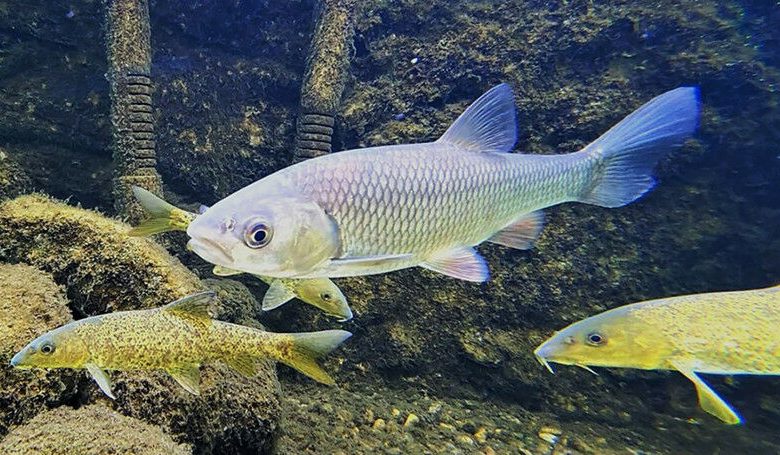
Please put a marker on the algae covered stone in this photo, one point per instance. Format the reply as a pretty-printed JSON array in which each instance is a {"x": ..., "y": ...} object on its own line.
[
  {"x": 30, "y": 304},
  {"x": 89, "y": 430}
]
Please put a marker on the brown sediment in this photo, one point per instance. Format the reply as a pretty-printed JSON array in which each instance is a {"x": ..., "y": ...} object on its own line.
[
  {"x": 132, "y": 117},
  {"x": 324, "y": 80}
]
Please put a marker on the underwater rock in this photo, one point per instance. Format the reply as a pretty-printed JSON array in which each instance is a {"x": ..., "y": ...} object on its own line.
[
  {"x": 232, "y": 413},
  {"x": 13, "y": 179},
  {"x": 103, "y": 268},
  {"x": 89, "y": 430},
  {"x": 235, "y": 304},
  {"x": 30, "y": 304}
]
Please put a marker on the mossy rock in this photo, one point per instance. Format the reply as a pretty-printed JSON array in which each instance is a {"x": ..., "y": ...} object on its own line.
[
  {"x": 30, "y": 304},
  {"x": 103, "y": 268},
  {"x": 13, "y": 179},
  {"x": 90, "y": 430}
]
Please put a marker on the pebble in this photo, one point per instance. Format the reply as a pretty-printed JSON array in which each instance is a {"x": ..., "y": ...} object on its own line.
[
  {"x": 488, "y": 451},
  {"x": 379, "y": 424},
  {"x": 395, "y": 412},
  {"x": 465, "y": 439},
  {"x": 446, "y": 426},
  {"x": 550, "y": 434},
  {"x": 414, "y": 60},
  {"x": 481, "y": 435},
  {"x": 368, "y": 416},
  {"x": 411, "y": 419}
]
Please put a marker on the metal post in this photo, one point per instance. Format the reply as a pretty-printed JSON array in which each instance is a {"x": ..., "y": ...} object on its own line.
[
  {"x": 324, "y": 80},
  {"x": 132, "y": 117}
]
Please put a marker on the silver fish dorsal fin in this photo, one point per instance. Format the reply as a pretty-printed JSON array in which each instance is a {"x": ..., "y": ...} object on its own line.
[
  {"x": 488, "y": 125},
  {"x": 194, "y": 306}
]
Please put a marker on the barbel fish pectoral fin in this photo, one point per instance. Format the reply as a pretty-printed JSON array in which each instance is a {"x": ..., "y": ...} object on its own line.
[
  {"x": 708, "y": 399},
  {"x": 101, "y": 378},
  {"x": 188, "y": 376},
  {"x": 522, "y": 233},
  {"x": 219, "y": 270},
  {"x": 278, "y": 294},
  {"x": 488, "y": 125},
  {"x": 463, "y": 263}
]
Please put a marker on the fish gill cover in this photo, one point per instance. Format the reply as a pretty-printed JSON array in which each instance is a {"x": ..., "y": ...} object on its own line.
[{"x": 434, "y": 364}]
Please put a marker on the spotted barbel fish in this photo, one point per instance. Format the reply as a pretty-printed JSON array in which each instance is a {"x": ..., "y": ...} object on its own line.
[{"x": 379, "y": 209}]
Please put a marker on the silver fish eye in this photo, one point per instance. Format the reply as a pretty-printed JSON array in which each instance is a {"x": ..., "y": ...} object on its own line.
[{"x": 258, "y": 235}]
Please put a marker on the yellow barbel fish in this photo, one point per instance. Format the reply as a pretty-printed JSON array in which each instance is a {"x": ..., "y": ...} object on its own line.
[
  {"x": 726, "y": 333},
  {"x": 320, "y": 293},
  {"x": 379, "y": 209},
  {"x": 176, "y": 338}
]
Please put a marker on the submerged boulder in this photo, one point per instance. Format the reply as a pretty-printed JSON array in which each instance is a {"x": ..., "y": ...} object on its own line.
[
  {"x": 30, "y": 304},
  {"x": 89, "y": 430}
]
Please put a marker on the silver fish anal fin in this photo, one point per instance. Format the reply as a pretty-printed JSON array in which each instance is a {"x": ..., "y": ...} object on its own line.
[
  {"x": 463, "y": 263},
  {"x": 708, "y": 399},
  {"x": 101, "y": 378},
  {"x": 488, "y": 125},
  {"x": 278, "y": 294},
  {"x": 522, "y": 233},
  {"x": 188, "y": 376}
]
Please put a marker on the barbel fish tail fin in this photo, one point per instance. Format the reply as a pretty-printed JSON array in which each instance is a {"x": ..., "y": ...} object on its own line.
[
  {"x": 630, "y": 150},
  {"x": 301, "y": 351}
]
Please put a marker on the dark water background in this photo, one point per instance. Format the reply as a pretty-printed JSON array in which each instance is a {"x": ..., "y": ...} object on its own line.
[{"x": 228, "y": 78}]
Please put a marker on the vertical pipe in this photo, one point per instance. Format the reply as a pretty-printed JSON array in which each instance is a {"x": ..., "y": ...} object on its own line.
[
  {"x": 129, "y": 73},
  {"x": 324, "y": 80}
]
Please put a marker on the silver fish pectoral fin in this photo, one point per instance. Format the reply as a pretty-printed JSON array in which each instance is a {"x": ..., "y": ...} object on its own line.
[
  {"x": 101, "y": 378},
  {"x": 463, "y": 263},
  {"x": 708, "y": 399},
  {"x": 357, "y": 265}
]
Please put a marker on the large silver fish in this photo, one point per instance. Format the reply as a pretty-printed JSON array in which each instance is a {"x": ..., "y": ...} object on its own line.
[{"x": 379, "y": 209}]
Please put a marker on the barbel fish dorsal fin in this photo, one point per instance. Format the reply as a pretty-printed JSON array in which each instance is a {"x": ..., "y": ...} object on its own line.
[
  {"x": 522, "y": 233},
  {"x": 101, "y": 378},
  {"x": 188, "y": 376},
  {"x": 463, "y": 263},
  {"x": 488, "y": 125},
  {"x": 278, "y": 294},
  {"x": 708, "y": 399},
  {"x": 194, "y": 306},
  {"x": 219, "y": 270}
]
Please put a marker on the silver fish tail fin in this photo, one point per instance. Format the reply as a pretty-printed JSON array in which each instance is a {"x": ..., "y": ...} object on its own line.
[
  {"x": 630, "y": 150},
  {"x": 301, "y": 351}
]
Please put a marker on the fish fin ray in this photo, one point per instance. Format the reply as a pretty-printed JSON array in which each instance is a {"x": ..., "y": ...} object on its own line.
[
  {"x": 219, "y": 270},
  {"x": 164, "y": 217},
  {"x": 301, "y": 351},
  {"x": 464, "y": 263},
  {"x": 188, "y": 376},
  {"x": 151, "y": 226},
  {"x": 489, "y": 124},
  {"x": 630, "y": 150},
  {"x": 194, "y": 306},
  {"x": 708, "y": 398},
  {"x": 278, "y": 294},
  {"x": 101, "y": 378},
  {"x": 244, "y": 364},
  {"x": 522, "y": 233}
]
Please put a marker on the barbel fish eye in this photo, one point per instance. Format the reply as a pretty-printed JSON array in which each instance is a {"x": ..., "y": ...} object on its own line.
[
  {"x": 325, "y": 296},
  {"x": 47, "y": 348},
  {"x": 257, "y": 235},
  {"x": 596, "y": 339}
]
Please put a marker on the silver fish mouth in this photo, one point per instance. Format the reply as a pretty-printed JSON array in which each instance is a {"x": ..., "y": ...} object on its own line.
[{"x": 211, "y": 251}]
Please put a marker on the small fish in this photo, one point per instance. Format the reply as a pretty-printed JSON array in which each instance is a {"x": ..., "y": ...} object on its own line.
[
  {"x": 176, "y": 338},
  {"x": 380, "y": 209},
  {"x": 726, "y": 333},
  {"x": 321, "y": 293}
]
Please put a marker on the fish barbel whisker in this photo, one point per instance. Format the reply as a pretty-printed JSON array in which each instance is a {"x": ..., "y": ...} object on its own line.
[{"x": 587, "y": 368}]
